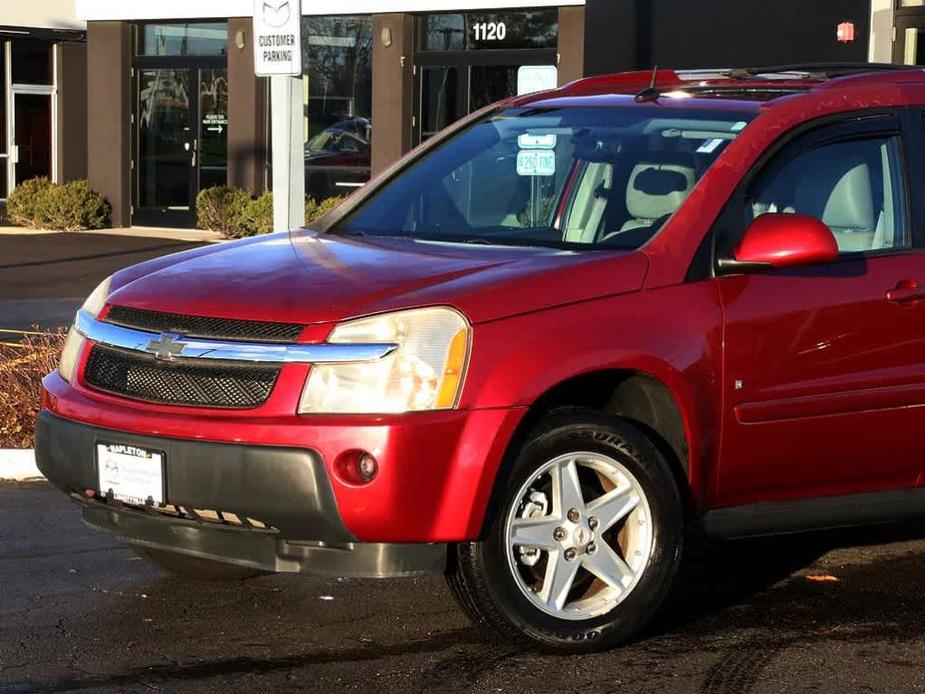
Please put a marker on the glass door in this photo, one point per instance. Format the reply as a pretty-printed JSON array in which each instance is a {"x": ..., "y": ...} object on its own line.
[
  {"x": 182, "y": 142},
  {"x": 32, "y": 141},
  {"x": 167, "y": 148}
]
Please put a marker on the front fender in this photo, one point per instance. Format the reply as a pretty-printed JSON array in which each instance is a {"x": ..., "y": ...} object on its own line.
[{"x": 673, "y": 334}]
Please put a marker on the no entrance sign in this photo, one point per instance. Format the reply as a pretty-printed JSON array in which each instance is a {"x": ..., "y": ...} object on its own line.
[{"x": 277, "y": 37}]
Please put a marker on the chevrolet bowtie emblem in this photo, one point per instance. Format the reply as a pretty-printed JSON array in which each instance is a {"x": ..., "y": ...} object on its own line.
[{"x": 167, "y": 346}]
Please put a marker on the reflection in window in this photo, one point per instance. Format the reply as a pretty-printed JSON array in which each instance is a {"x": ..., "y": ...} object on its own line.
[
  {"x": 185, "y": 39},
  {"x": 438, "y": 99},
  {"x": 337, "y": 54},
  {"x": 164, "y": 138}
]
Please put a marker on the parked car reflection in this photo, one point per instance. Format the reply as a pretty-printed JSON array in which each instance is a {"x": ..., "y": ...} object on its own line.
[{"x": 337, "y": 160}]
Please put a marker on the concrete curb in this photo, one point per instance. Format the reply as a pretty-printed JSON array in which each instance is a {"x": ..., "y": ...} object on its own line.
[{"x": 18, "y": 465}]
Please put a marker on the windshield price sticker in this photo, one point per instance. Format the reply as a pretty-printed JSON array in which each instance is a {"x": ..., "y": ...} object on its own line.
[
  {"x": 536, "y": 141},
  {"x": 536, "y": 162},
  {"x": 710, "y": 146},
  {"x": 277, "y": 37}
]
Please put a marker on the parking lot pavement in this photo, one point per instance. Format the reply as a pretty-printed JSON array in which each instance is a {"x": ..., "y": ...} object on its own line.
[
  {"x": 45, "y": 277},
  {"x": 78, "y": 613}
]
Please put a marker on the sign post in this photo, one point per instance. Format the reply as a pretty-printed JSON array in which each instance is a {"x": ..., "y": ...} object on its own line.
[{"x": 278, "y": 55}]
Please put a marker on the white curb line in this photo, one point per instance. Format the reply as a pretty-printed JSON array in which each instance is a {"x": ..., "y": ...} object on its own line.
[{"x": 18, "y": 465}]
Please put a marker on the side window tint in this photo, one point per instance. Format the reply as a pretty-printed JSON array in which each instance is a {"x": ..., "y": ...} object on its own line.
[{"x": 855, "y": 187}]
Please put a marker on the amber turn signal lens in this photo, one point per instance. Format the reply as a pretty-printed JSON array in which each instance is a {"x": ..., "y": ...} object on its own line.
[{"x": 453, "y": 372}]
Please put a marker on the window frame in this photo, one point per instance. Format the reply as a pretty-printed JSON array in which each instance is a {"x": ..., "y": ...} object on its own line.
[{"x": 728, "y": 228}]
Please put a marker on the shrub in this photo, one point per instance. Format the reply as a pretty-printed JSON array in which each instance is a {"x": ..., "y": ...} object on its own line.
[
  {"x": 222, "y": 209},
  {"x": 72, "y": 207},
  {"x": 22, "y": 368},
  {"x": 260, "y": 215},
  {"x": 22, "y": 204},
  {"x": 319, "y": 210},
  {"x": 41, "y": 204},
  {"x": 235, "y": 214}
]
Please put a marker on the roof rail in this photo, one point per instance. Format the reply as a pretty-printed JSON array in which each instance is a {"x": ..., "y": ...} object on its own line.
[{"x": 818, "y": 70}]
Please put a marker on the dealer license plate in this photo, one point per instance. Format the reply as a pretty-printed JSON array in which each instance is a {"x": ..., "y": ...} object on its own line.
[{"x": 134, "y": 475}]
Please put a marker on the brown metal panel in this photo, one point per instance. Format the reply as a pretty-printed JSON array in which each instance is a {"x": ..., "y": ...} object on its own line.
[
  {"x": 247, "y": 111},
  {"x": 109, "y": 112},
  {"x": 393, "y": 88},
  {"x": 571, "y": 44},
  {"x": 72, "y": 111}
]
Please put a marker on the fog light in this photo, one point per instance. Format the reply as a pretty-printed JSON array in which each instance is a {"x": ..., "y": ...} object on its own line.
[
  {"x": 357, "y": 467},
  {"x": 368, "y": 467}
]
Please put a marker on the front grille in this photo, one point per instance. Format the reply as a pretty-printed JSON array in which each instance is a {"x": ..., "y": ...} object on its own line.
[
  {"x": 203, "y": 327},
  {"x": 142, "y": 377}
]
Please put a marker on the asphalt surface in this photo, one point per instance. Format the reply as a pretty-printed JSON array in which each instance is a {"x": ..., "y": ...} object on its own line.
[
  {"x": 79, "y": 613},
  {"x": 44, "y": 278}
]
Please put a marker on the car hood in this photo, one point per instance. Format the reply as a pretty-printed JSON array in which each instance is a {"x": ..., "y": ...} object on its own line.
[{"x": 307, "y": 278}]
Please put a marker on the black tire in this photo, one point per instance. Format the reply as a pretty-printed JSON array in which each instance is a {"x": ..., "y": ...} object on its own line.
[
  {"x": 195, "y": 568},
  {"x": 482, "y": 580}
]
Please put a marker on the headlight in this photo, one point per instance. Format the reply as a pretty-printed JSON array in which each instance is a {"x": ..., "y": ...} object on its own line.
[
  {"x": 97, "y": 300},
  {"x": 425, "y": 373},
  {"x": 67, "y": 367}
]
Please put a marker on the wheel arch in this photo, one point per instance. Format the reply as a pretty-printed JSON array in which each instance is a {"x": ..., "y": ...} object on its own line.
[{"x": 639, "y": 396}]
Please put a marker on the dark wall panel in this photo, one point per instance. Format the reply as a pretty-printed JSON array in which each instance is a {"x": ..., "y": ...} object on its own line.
[
  {"x": 628, "y": 34},
  {"x": 612, "y": 39},
  {"x": 755, "y": 32}
]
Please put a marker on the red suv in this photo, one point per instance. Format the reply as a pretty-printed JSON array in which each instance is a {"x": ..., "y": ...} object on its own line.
[{"x": 534, "y": 355}]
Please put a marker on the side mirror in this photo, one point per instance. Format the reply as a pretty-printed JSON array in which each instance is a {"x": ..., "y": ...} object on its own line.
[{"x": 781, "y": 241}]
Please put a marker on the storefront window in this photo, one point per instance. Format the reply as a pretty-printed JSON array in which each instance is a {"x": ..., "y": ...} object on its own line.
[
  {"x": 32, "y": 62},
  {"x": 184, "y": 39},
  {"x": 491, "y": 30},
  {"x": 337, "y": 55},
  {"x": 213, "y": 128}
]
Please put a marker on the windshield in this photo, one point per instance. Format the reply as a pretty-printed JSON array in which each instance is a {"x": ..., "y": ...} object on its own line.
[{"x": 588, "y": 177}]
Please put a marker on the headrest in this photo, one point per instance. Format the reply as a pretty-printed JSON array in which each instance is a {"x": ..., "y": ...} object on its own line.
[
  {"x": 836, "y": 187},
  {"x": 657, "y": 189}
]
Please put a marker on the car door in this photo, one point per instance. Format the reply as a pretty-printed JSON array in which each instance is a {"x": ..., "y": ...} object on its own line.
[{"x": 824, "y": 366}]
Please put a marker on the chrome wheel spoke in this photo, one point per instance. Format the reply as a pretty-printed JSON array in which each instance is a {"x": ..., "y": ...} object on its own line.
[
  {"x": 607, "y": 565},
  {"x": 534, "y": 532},
  {"x": 560, "y": 575},
  {"x": 566, "y": 489},
  {"x": 613, "y": 507}
]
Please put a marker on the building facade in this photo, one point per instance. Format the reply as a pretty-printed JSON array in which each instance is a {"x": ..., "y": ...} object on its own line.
[
  {"x": 43, "y": 93},
  {"x": 173, "y": 105}
]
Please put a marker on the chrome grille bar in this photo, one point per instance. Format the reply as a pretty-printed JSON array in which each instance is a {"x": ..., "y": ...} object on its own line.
[{"x": 219, "y": 350}]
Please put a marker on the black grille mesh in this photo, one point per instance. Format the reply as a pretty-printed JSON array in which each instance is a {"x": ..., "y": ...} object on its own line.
[
  {"x": 202, "y": 327},
  {"x": 143, "y": 377}
]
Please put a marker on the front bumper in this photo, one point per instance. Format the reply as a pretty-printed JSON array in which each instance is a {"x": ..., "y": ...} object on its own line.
[
  {"x": 437, "y": 470},
  {"x": 285, "y": 490}
]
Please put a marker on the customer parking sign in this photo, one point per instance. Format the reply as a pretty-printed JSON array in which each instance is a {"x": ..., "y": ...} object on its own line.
[{"x": 277, "y": 37}]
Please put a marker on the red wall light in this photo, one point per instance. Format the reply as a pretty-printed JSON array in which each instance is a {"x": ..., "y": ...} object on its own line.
[{"x": 846, "y": 33}]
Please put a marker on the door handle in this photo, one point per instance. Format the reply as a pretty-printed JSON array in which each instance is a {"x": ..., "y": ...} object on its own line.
[{"x": 906, "y": 292}]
